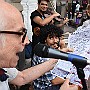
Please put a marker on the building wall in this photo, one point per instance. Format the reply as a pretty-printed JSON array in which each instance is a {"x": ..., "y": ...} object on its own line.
[{"x": 16, "y": 3}]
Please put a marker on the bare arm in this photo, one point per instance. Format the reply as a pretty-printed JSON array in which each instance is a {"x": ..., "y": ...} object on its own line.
[
  {"x": 64, "y": 22},
  {"x": 33, "y": 73},
  {"x": 57, "y": 81},
  {"x": 65, "y": 85},
  {"x": 45, "y": 21}
]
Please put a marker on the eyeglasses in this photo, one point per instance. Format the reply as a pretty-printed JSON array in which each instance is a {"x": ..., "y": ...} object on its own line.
[{"x": 23, "y": 32}]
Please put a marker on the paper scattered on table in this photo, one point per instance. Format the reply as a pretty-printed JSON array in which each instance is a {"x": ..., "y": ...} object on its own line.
[{"x": 80, "y": 42}]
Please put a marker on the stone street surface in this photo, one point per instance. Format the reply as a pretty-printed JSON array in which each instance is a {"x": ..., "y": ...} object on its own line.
[{"x": 70, "y": 29}]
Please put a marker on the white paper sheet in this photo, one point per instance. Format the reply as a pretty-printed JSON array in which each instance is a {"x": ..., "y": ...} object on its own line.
[{"x": 80, "y": 42}]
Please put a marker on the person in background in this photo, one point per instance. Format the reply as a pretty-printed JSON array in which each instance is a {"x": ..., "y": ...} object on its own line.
[
  {"x": 84, "y": 4},
  {"x": 73, "y": 8},
  {"x": 77, "y": 13},
  {"x": 58, "y": 21},
  {"x": 86, "y": 16},
  {"x": 38, "y": 20},
  {"x": 50, "y": 36},
  {"x": 77, "y": 7}
]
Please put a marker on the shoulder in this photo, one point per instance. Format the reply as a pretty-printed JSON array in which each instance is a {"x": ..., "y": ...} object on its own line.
[
  {"x": 11, "y": 72},
  {"x": 35, "y": 13},
  {"x": 10, "y": 69}
]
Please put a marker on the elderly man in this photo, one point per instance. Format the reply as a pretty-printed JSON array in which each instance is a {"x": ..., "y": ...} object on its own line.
[{"x": 12, "y": 41}]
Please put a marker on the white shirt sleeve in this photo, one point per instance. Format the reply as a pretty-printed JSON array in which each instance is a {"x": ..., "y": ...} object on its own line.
[{"x": 12, "y": 73}]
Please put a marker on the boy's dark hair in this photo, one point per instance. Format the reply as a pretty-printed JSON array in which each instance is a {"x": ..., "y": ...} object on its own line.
[
  {"x": 51, "y": 31},
  {"x": 39, "y": 1}
]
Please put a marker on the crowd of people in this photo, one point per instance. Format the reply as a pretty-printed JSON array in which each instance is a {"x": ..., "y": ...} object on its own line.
[
  {"x": 50, "y": 35},
  {"x": 76, "y": 12},
  {"x": 39, "y": 20},
  {"x": 13, "y": 38}
]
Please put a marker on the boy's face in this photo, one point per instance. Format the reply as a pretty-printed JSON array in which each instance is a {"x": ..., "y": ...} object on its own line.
[
  {"x": 43, "y": 6},
  {"x": 52, "y": 41}
]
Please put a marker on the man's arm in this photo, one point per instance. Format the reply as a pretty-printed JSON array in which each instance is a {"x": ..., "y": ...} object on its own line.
[
  {"x": 62, "y": 24},
  {"x": 57, "y": 81},
  {"x": 33, "y": 73},
  {"x": 45, "y": 21}
]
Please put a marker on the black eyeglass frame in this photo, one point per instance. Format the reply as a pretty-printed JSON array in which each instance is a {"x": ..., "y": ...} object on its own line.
[{"x": 23, "y": 31}]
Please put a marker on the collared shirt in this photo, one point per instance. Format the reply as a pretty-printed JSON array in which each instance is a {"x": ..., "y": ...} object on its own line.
[
  {"x": 12, "y": 73},
  {"x": 45, "y": 80}
]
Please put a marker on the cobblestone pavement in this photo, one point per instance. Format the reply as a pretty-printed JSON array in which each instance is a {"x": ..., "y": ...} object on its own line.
[{"x": 69, "y": 29}]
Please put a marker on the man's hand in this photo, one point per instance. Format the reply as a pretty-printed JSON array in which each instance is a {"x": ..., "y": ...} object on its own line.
[
  {"x": 65, "y": 21},
  {"x": 66, "y": 86},
  {"x": 66, "y": 49},
  {"x": 55, "y": 14}
]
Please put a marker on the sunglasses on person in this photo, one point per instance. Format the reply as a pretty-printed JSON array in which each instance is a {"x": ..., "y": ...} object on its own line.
[{"x": 23, "y": 32}]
